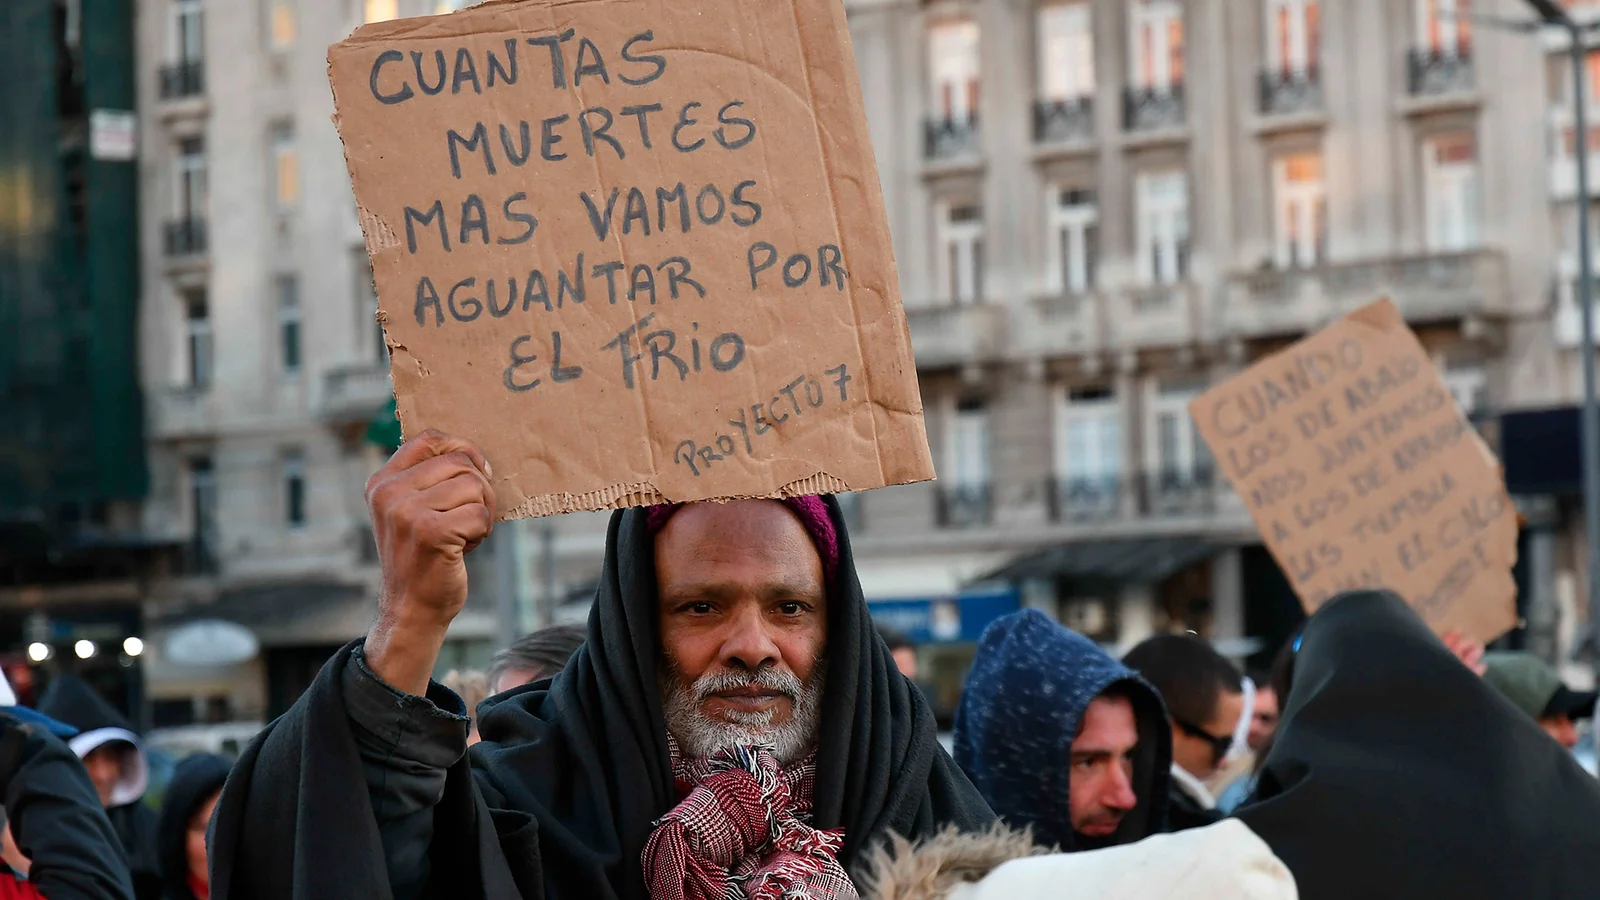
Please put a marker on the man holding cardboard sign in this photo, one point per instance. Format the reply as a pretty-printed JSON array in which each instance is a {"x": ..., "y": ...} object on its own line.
[
  {"x": 1361, "y": 472},
  {"x": 630, "y": 253}
]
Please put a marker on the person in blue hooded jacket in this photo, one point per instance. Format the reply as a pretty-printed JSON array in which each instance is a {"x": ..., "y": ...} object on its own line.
[{"x": 1059, "y": 736}]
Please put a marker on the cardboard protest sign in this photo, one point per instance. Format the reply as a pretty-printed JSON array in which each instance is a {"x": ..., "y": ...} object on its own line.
[
  {"x": 636, "y": 250},
  {"x": 1361, "y": 472}
]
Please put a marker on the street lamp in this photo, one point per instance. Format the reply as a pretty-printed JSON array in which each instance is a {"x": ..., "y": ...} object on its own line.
[{"x": 1552, "y": 13}]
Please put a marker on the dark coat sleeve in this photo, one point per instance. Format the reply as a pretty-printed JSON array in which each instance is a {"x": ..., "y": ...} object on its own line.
[
  {"x": 56, "y": 818},
  {"x": 321, "y": 807}
]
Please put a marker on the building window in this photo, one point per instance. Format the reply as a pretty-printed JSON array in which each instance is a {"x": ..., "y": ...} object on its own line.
[
  {"x": 1301, "y": 211},
  {"x": 366, "y": 294},
  {"x": 1157, "y": 45},
  {"x": 1174, "y": 452},
  {"x": 1444, "y": 27},
  {"x": 381, "y": 10},
  {"x": 1088, "y": 452},
  {"x": 1066, "y": 51},
  {"x": 203, "y": 512},
  {"x": 294, "y": 488},
  {"x": 1162, "y": 199},
  {"x": 190, "y": 180},
  {"x": 1468, "y": 382},
  {"x": 285, "y": 166},
  {"x": 188, "y": 32},
  {"x": 964, "y": 500},
  {"x": 288, "y": 289},
  {"x": 1074, "y": 240},
  {"x": 281, "y": 24},
  {"x": 953, "y": 66},
  {"x": 197, "y": 331},
  {"x": 1453, "y": 196},
  {"x": 961, "y": 239},
  {"x": 1293, "y": 36}
]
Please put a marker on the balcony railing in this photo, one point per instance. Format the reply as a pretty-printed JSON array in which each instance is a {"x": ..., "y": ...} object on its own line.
[
  {"x": 1063, "y": 121},
  {"x": 1429, "y": 287},
  {"x": 186, "y": 237},
  {"x": 1061, "y": 325},
  {"x": 1286, "y": 92},
  {"x": 1430, "y": 72},
  {"x": 1087, "y": 499},
  {"x": 950, "y": 137},
  {"x": 358, "y": 391},
  {"x": 184, "y": 79},
  {"x": 1173, "y": 492},
  {"x": 953, "y": 335},
  {"x": 965, "y": 505},
  {"x": 1153, "y": 108}
]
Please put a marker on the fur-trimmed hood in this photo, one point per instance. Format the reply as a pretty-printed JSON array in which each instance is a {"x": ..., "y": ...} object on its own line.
[{"x": 1225, "y": 861}]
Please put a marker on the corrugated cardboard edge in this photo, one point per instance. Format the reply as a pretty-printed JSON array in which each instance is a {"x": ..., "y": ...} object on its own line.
[{"x": 897, "y": 412}]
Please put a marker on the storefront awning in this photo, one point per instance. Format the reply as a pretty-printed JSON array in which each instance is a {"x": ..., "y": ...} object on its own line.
[{"x": 1109, "y": 562}]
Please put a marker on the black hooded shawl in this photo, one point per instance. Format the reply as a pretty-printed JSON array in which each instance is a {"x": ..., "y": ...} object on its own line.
[
  {"x": 559, "y": 798},
  {"x": 193, "y": 782},
  {"x": 1398, "y": 773}
]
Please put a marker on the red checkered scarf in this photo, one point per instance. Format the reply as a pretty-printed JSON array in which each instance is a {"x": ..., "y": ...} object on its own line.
[{"x": 742, "y": 832}]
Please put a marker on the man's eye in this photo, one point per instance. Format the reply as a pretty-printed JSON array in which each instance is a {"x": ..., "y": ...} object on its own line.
[
  {"x": 699, "y": 607},
  {"x": 791, "y": 608}
]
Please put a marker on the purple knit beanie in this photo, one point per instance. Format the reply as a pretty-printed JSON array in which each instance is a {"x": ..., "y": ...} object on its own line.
[{"x": 811, "y": 510}]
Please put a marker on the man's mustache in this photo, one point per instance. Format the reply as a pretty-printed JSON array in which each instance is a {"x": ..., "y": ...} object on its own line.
[{"x": 786, "y": 683}]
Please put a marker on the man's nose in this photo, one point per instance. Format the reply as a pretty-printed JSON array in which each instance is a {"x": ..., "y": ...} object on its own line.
[
  {"x": 748, "y": 643},
  {"x": 1121, "y": 795}
]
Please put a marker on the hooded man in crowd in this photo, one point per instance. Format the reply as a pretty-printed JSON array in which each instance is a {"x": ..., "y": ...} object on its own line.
[
  {"x": 185, "y": 815},
  {"x": 1060, "y": 737},
  {"x": 732, "y": 726},
  {"x": 1204, "y": 697},
  {"x": 114, "y": 756}
]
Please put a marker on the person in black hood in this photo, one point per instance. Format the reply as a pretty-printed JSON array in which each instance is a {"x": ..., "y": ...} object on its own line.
[
  {"x": 185, "y": 815},
  {"x": 1397, "y": 773},
  {"x": 731, "y": 674},
  {"x": 1060, "y": 737},
  {"x": 114, "y": 756}
]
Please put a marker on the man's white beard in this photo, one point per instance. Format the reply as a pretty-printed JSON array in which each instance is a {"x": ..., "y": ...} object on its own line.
[{"x": 699, "y": 735}]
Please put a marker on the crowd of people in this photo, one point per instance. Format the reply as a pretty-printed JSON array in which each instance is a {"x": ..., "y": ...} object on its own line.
[{"x": 731, "y": 724}]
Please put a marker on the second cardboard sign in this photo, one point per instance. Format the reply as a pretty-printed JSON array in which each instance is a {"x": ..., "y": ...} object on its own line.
[{"x": 1361, "y": 472}]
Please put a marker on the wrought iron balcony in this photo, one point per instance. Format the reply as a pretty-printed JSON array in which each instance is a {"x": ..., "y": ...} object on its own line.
[
  {"x": 186, "y": 237},
  {"x": 965, "y": 505},
  {"x": 1180, "y": 491},
  {"x": 1087, "y": 498},
  {"x": 1063, "y": 121},
  {"x": 1285, "y": 92},
  {"x": 184, "y": 79},
  {"x": 950, "y": 137},
  {"x": 1431, "y": 71},
  {"x": 1153, "y": 108}
]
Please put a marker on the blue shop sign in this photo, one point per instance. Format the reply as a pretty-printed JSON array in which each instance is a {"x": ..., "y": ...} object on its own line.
[{"x": 945, "y": 620}]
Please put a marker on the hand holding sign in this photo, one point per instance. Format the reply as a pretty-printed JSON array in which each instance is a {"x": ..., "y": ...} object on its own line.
[
  {"x": 635, "y": 250},
  {"x": 1361, "y": 472}
]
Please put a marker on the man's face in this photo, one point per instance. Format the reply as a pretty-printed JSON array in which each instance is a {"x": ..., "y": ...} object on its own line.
[
  {"x": 1562, "y": 728},
  {"x": 105, "y": 764},
  {"x": 1102, "y": 767},
  {"x": 1197, "y": 755},
  {"x": 905, "y": 659},
  {"x": 1265, "y": 721},
  {"x": 743, "y": 626}
]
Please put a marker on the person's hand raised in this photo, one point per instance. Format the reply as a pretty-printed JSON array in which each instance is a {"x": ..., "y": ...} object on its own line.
[
  {"x": 1468, "y": 650},
  {"x": 430, "y": 504}
]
